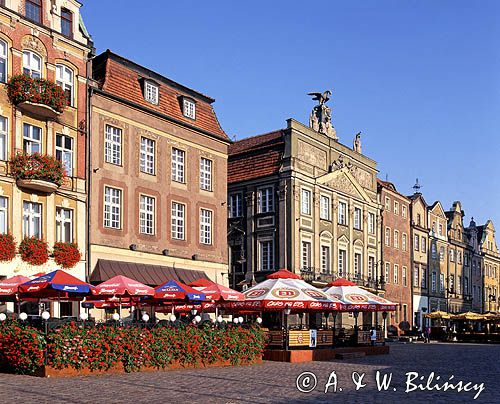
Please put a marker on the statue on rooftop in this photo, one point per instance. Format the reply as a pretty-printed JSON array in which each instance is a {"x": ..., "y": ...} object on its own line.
[{"x": 320, "y": 119}]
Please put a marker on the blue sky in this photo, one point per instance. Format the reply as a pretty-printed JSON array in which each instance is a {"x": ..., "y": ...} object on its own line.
[{"x": 420, "y": 79}]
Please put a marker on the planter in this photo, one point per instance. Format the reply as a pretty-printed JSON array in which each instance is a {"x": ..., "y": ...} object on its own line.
[
  {"x": 38, "y": 185},
  {"x": 38, "y": 110}
]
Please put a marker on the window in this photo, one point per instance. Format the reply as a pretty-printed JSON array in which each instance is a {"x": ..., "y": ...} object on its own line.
[
  {"x": 342, "y": 213},
  {"x": 66, "y": 23},
  {"x": 4, "y": 217},
  {"x": 452, "y": 255},
  {"x": 466, "y": 259},
  {"x": 325, "y": 259},
  {"x": 441, "y": 282},
  {"x": 235, "y": 205},
  {"x": 433, "y": 250},
  {"x": 64, "y": 152},
  {"x": 459, "y": 257},
  {"x": 3, "y": 138},
  {"x": 178, "y": 216},
  {"x": 416, "y": 277},
  {"x": 189, "y": 108},
  {"x": 403, "y": 274},
  {"x": 64, "y": 78},
  {"x": 387, "y": 272},
  {"x": 64, "y": 225},
  {"x": 266, "y": 255},
  {"x": 205, "y": 226},
  {"x": 371, "y": 223},
  {"x": 424, "y": 277},
  {"x": 205, "y": 174},
  {"x": 387, "y": 203},
  {"x": 32, "y": 219},
  {"x": 32, "y": 139},
  {"x": 150, "y": 92},
  {"x": 306, "y": 255},
  {"x": 459, "y": 285},
  {"x": 424, "y": 244},
  {"x": 147, "y": 158},
  {"x": 305, "y": 202},
  {"x": 440, "y": 229},
  {"x": 419, "y": 219},
  {"x": 3, "y": 61},
  {"x": 416, "y": 242},
  {"x": 357, "y": 218},
  {"x": 387, "y": 236},
  {"x": 371, "y": 267},
  {"x": 396, "y": 207},
  {"x": 342, "y": 263},
  {"x": 433, "y": 284},
  {"x": 404, "y": 241},
  {"x": 32, "y": 64},
  {"x": 112, "y": 207},
  {"x": 33, "y": 10},
  {"x": 113, "y": 145},
  {"x": 396, "y": 239},
  {"x": 396, "y": 274},
  {"x": 403, "y": 211},
  {"x": 147, "y": 215},
  {"x": 265, "y": 200},
  {"x": 441, "y": 253},
  {"x": 178, "y": 158},
  {"x": 357, "y": 265},
  {"x": 324, "y": 207},
  {"x": 434, "y": 227}
]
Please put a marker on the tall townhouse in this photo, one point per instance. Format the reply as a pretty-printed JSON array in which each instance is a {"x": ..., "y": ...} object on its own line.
[
  {"x": 490, "y": 258},
  {"x": 459, "y": 274},
  {"x": 158, "y": 178},
  {"x": 299, "y": 199},
  {"x": 396, "y": 255},
  {"x": 473, "y": 259},
  {"x": 438, "y": 258},
  {"x": 44, "y": 50},
  {"x": 419, "y": 256}
]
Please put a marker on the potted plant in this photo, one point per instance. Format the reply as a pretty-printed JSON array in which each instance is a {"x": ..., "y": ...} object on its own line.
[
  {"x": 37, "y": 171},
  {"x": 34, "y": 251},
  {"x": 66, "y": 255},
  {"x": 7, "y": 247}
]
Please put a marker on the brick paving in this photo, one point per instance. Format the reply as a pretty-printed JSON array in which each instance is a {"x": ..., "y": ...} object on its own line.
[{"x": 274, "y": 382}]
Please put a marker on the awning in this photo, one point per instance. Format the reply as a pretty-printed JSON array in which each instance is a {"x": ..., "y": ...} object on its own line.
[{"x": 152, "y": 275}]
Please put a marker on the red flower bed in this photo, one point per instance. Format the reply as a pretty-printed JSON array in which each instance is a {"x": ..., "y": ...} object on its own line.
[
  {"x": 34, "y": 251},
  {"x": 7, "y": 247},
  {"x": 23, "y": 88},
  {"x": 66, "y": 255},
  {"x": 37, "y": 167}
]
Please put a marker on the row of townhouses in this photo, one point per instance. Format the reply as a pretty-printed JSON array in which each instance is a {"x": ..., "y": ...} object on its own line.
[{"x": 154, "y": 189}]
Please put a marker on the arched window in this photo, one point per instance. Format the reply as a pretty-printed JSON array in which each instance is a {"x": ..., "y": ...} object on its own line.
[
  {"x": 32, "y": 64},
  {"x": 3, "y": 61},
  {"x": 64, "y": 78}
]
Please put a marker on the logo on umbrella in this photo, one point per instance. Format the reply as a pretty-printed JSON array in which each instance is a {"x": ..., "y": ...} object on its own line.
[
  {"x": 283, "y": 293},
  {"x": 316, "y": 294},
  {"x": 356, "y": 298},
  {"x": 253, "y": 294}
]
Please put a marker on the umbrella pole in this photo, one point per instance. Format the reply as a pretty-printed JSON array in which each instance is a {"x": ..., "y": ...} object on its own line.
[{"x": 120, "y": 308}]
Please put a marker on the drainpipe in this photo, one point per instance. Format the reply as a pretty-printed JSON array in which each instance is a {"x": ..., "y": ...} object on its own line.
[{"x": 88, "y": 160}]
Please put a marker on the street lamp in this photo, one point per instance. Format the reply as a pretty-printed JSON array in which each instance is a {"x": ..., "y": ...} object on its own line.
[
  {"x": 45, "y": 317},
  {"x": 384, "y": 316},
  {"x": 356, "y": 314},
  {"x": 3, "y": 317},
  {"x": 286, "y": 313},
  {"x": 23, "y": 316}
]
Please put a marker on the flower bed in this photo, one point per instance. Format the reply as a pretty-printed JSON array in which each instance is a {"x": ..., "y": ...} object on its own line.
[
  {"x": 66, "y": 255},
  {"x": 7, "y": 247},
  {"x": 23, "y": 88},
  {"x": 128, "y": 348},
  {"x": 34, "y": 251},
  {"x": 37, "y": 167}
]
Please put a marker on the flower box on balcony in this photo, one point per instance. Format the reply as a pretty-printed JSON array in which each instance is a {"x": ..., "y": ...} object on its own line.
[
  {"x": 39, "y": 97},
  {"x": 37, "y": 172}
]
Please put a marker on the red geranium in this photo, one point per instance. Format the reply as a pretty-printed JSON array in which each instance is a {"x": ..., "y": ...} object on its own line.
[
  {"x": 7, "y": 247},
  {"x": 37, "y": 166},
  {"x": 66, "y": 255},
  {"x": 34, "y": 251}
]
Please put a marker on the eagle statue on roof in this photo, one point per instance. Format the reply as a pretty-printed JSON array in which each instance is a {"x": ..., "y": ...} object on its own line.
[
  {"x": 320, "y": 119},
  {"x": 321, "y": 97}
]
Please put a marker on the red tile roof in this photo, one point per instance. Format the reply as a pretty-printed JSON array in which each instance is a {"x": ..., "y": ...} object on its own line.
[
  {"x": 255, "y": 157},
  {"x": 122, "y": 78}
]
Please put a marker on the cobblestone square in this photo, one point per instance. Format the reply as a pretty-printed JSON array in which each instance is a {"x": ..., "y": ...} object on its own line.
[{"x": 274, "y": 382}]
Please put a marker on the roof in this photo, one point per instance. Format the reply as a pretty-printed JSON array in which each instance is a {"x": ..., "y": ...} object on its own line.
[
  {"x": 391, "y": 187},
  {"x": 255, "y": 157},
  {"x": 152, "y": 275},
  {"x": 124, "y": 79}
]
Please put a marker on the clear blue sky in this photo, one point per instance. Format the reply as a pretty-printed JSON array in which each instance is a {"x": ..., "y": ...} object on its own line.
[{"x": 420, "y": 79}]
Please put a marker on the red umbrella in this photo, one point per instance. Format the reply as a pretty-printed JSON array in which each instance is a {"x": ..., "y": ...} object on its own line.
[
  {"x": 122, "y": 286},
  {"x": 9, "y": 287},
  {"x": 283, "y": 274},
  {"x": 341, "y": 282},
  {"x": 56, "y": 284},
  {"x": 214, "y": 291}
]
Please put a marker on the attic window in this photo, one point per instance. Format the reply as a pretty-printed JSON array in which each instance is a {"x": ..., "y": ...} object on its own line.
[
  {"x": 150, "y": 92},
  {"x": 189, "y": 108}
]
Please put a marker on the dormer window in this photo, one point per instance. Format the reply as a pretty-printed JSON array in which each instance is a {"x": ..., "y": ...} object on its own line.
[
  {"x": 66, "y": 23},
  {"x": 150, "y": 92},
  {"x": 33, "y": 9},
  {"x": 189, "y": 108}
]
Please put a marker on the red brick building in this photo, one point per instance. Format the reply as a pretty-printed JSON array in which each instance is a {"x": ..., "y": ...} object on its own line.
[{"x": 396, "y": 255}]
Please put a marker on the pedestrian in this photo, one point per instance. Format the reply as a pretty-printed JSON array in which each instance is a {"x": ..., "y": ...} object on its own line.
[{"x": 373, "y": 336}]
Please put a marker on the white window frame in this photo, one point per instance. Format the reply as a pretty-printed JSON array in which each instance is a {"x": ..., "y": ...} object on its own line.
[
  {"x": 189, "y": 108},
  {"x": 4, "y": 59},
  {"x": 113, "y": 139},
  {"x": 112, "y": 207},
  {"x": 404, "y": 242},
  {"x": 306, "y": 252},
  {"x": 357, "y": 218},
  {"x": 147, "y": 214},
  {"x": 32, "y": 217},
  {"x": 324, "y": 207},
  {"x": 396, "y": 274},
  {"x": 403, "y": 211},
  {"x": 61, "y": 222},
  {"x": 266, "y": 255},
  {"x": 371, "y": 223},
  {"x": 396, "y": 239},
  {"x": 433, "y": 282},
  {"x": 30, "y": 66},
  {"x": 358, "y": 265},
  {"x": 151, "y": 92},
  {"x": 178, "y": 165},
  {"x": 342, "y": 262},
  {"x": 4, "y": 212},
  {"x": 326, "y": 259},
  {"x": 371, "y": 267},
  {"x": 416, "y": 276},
  {"x": 342, "y": 217},
  {"x": 236, "y": 205},
  {"x": 206, "y": 226},
  {"x": 147, "y": 155},
  {"x": 387, "y": 272},
  {"x": 388, "y": 236},
  {"x": 65, "y": 155},
  {"x": 29, "y": 141},
  {"x": 4, "y": 136},
  {"x": 396, "y": 207},
  {"x": 387, "y": 203},
  {"x": 305, "y": 201},
  {"x": 206, "y": 166},
  {"x": 423, "y": 245},
  {"x": 65, "y": 79},
  {"x": 265, "y": 196},
  {"x": 178, "y": 221}
]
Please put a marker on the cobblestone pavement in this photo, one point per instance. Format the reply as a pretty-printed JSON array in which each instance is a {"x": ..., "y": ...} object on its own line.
[{"x": 274, "y": 382}]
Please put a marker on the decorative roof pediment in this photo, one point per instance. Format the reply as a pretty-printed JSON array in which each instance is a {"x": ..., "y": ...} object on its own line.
[
  {"x": 342, "y": 180},
  {"x": 437, "y": 209}
]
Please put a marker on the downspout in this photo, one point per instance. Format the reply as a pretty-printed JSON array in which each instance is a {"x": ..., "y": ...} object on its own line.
[{"x": 88, "y": 147}]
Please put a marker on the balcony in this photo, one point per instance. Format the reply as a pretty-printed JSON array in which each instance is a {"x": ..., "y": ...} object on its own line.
[
  {"x": 36, "y": 172},
  {"x": 317, "y": 277},
  {"x": 38, "y": 97}
]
